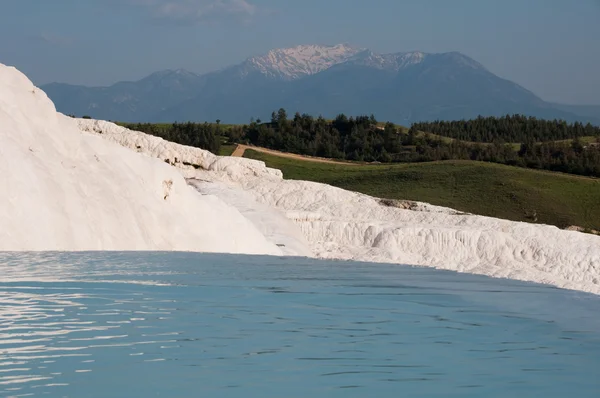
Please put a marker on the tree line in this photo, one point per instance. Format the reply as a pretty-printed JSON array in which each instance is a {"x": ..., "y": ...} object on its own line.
[
  {"x": 515, "y": 128},
  {"x": 362, "y": 138}
]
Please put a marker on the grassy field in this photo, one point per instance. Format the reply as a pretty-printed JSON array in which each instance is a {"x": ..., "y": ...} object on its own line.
[
  {"x": 475, "y": 187},
  {"x": 227, "y": 149}
]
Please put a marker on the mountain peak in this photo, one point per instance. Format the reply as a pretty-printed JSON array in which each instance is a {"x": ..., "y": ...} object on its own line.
[
  {"x": 303, "y": 60},
  {"x": 181, "y": 73},
  {"x": 402, "y": 87},
  {"x": 171, "y": 79}
]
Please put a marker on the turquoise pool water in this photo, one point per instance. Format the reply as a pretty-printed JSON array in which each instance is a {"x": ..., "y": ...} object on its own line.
[{"x": 197, "y": 325}]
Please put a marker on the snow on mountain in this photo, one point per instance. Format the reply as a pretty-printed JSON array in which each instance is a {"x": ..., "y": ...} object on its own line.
[
  {"x": 321, "y": 80},
  {"x": 62, "y": 189},
  {"x": 295, "y": 62},
  {"x": 339, "y": 224}
]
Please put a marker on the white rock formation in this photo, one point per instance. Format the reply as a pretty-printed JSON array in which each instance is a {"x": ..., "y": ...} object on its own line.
[
  {"x": 64, "y": 190},
  {"x": 70, "y": 188},
  {"x": 347, "y": 225}
]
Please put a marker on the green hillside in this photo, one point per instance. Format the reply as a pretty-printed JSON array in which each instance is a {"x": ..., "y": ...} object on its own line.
[{"x": 476, "y": 187}]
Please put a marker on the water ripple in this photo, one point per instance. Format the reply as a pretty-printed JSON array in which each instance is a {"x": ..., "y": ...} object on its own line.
[{"x": 182, "y": 324}]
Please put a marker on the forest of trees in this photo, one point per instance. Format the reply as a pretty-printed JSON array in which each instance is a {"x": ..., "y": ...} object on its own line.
[
  {"x": 361, "y": 138},
  {"x": 515, "y": 128}
]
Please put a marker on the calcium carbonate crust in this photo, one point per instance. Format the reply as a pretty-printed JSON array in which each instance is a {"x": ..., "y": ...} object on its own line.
[
  {"x": 339, "y": 224},
  {"x": 67, "y": 185},
  {"x": 62, "y": 190}
]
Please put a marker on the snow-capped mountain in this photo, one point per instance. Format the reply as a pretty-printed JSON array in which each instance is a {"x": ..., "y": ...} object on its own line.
[
  {"x": 305, "y": 60},
  {"x": 300, "y": 61},
  {"x": 326, "y": 80}
]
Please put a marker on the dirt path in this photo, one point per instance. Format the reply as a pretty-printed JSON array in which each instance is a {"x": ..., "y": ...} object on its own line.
[{"x": 241, "y": 149}]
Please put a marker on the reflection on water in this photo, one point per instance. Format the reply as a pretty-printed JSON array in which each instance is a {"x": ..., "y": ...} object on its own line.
[{"x": 180, "y": 325}]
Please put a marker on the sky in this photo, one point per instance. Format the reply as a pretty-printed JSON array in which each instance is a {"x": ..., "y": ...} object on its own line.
[{"x": 551, "y": 47}]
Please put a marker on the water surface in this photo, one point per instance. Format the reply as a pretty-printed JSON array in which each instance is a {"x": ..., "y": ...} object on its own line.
[{"x": 183, "y": 324}]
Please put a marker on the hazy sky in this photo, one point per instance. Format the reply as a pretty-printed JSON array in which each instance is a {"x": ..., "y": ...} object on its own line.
[{"x": 551, "y": 47}]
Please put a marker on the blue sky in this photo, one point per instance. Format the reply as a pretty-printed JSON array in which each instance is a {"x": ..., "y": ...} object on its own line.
[{"x": 551, "y": 47}]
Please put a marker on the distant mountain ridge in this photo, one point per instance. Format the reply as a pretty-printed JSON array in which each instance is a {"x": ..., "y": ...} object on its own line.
[
  {"x": 580, "y": 110},
  {"x": 401, "y": 87}
]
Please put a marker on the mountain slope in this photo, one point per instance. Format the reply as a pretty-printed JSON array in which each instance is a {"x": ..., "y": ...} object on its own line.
[
  {"x": 127, "y": 101},
  {"x": 453, "y": 86},
  {"x": 327, "y": 80}
]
